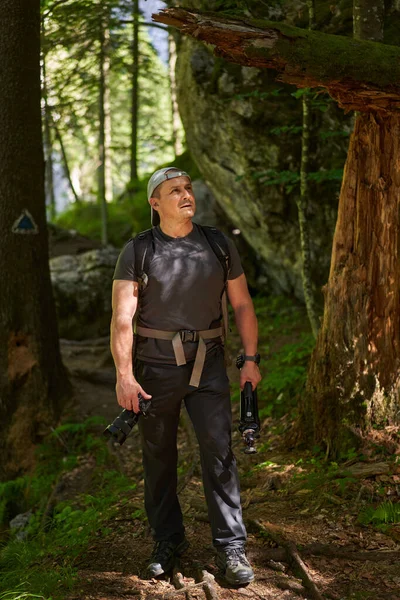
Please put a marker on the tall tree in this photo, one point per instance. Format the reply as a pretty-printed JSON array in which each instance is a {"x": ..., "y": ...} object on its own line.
[
  {"x": 104, "y": 122},
  {"x": 33, "y": 382},
  {"x": 176, "y": 120},
  {"x": 303, "y": 199},
  {"x": 48, "y": 142},
  {"x": 354, "y": 378},
  {"x": 135, "y": 91}
]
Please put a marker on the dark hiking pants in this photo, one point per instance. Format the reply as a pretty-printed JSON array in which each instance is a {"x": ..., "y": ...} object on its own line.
[{"x": 209, "y": 409}]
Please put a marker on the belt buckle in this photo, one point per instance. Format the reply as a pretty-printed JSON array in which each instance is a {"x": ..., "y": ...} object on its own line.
[{"x": 188, "y": 335}]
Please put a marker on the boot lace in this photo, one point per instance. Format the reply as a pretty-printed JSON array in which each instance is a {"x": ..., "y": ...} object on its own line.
[{"x": 236, "y": 556}]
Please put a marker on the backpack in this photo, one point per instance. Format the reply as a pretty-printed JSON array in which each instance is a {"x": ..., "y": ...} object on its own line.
[{"x": 144, "y": 247}]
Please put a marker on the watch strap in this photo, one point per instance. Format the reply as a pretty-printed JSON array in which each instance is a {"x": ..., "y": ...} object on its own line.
[{"x": 254, "y": 358}]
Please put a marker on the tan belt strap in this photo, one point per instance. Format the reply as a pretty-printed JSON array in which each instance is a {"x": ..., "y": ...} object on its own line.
[
  {"x": 177, "y": 337},
  {"x": 224, "y": 303}
]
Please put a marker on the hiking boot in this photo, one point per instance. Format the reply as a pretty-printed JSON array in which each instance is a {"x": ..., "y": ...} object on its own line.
[
  {"x": 234, "y": 564},
  {"x": 163, "y": 556}
]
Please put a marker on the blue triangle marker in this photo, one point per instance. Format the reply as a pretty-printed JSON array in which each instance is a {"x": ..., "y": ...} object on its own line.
[{"x": 25, "y": 224}]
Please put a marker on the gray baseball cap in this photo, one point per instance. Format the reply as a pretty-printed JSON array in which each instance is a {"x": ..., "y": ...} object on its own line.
[{"x": 155, "y": 180}]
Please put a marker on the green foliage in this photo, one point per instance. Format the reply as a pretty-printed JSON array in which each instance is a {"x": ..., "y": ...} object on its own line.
[
  {"x": 319, "y": 100},
  {"x": 290, "y": 129},
  {"x": 284, "y": 369},
  {"x": 56, "y": 454},
  {"x": 16, "y": 595},
  {"x": 234, "y": 8},
  {"x": 383, "y": 514},
  {"x": 85, "y": 217},
  {"x": 256, "y": 94},
  {"x": 43, "y": 564},
  {"x": 71, "y": 50},
  {"x": 291, "y": 179},
  {"x": 286, "y": 376},
  {"x": 127, "y": 216},
  {"x": 325, "y": 135}
]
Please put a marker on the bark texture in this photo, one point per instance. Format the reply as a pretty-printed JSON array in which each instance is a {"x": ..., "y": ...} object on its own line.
[
  {"x": 303, "y": 58},
  {"x": 368, "y": 19},
  {"x": 303, "y": 200},
  {"x": 33, "y": 383},
  {"x": 355, "y": 371}
]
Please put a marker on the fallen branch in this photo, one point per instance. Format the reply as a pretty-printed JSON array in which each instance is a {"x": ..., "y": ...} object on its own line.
[
  {"x": 181, "y": 588},
  {"x": 278, "y": 555},
  {"x": 208, "y": 581},
  {"x": 293, "y": 557},
  {"x": 363, "y": 470},
  {"x": 335, "y": 552},
  {"x": 285, "y": 583}
]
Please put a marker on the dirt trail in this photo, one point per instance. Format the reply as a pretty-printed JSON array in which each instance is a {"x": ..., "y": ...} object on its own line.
[{"x": 114, "y": 568}]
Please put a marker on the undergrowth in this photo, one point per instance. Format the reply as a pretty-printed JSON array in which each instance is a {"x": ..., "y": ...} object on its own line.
[
  {"x": 384, "y": 514},
  {"x": 42, "y": 562},
  {"x": 285, "y": 346}
]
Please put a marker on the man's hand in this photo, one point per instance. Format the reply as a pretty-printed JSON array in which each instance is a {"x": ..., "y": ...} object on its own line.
[
  {"x": 250, "y": 372},
  {"x": 127, "y": 390}
]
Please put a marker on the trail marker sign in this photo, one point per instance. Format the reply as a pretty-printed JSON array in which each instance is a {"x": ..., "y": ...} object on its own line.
[{"x": 25, "y": 224}]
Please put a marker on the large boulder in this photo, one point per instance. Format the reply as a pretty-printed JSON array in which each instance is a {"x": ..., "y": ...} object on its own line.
[
  {"x": 82, "y": 289},
  {"x": 243, "y": 129}
]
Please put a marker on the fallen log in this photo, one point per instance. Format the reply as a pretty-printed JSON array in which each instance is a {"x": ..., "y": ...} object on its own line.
[{"x": 301, "y": 57}]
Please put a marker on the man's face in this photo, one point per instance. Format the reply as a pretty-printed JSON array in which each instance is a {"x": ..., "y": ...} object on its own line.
[{"x": 176, "y": 202}]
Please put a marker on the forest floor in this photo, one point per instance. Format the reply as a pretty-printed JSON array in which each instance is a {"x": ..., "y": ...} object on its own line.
[{"x": 313, "y": 526}]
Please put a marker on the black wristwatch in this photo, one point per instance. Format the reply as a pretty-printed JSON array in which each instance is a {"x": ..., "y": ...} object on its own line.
[{"x": 242, "y": 358}]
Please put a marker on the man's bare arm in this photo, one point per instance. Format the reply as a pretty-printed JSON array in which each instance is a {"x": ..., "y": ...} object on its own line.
[
  {"x": 124, "y": 305},
  {"x": 246, "y": 322}
]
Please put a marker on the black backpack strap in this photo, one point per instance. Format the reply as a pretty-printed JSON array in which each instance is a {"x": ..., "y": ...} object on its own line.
[
  {"x": 218, "y": 243},
  {"x": 144, "y": 252}
]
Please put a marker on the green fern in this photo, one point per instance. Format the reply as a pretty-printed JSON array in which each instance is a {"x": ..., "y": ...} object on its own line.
[{"x": 385, "y": 513}]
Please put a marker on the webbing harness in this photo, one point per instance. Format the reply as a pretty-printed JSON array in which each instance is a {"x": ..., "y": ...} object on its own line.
[{"x": 144, "y": 250}]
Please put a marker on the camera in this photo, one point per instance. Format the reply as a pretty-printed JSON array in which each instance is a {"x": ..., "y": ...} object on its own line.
[{"x": 121, "y": 427}]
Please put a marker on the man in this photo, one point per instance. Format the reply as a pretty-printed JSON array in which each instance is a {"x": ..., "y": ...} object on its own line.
[{"x": 180, "y": 355}]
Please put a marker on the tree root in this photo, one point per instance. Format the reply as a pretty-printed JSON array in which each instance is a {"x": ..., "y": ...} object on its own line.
[{"x": 292, "y": 556}]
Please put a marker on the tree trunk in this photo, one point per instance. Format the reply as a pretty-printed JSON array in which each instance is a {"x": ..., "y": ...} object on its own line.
[
  {"x": 354, "y": 377},
  {"x": 107, "y": 118},
  {"x": 368, "y": 19},
  {"x": 176, "y": 120},
  {"x": 101, "y": 169},
  {"x": 66, "y": 164},
  {"x": 48, "y": 144},
  {"x": 303, "y": 200},
  {"x": 135, "y": 92},
  {"x": 359, "y": 393},
  {"x": 33, "y": 382}
]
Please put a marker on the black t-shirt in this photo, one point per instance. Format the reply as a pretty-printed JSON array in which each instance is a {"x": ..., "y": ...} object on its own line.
[{"x": 184, "y": 289}]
